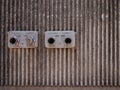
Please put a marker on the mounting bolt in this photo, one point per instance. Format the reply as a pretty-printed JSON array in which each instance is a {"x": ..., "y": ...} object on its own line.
[{"x": 30, "y": 41}]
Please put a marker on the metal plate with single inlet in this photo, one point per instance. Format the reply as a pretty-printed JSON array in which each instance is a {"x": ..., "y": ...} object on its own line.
[
  {"x": 59, "y": 39},
  {"x": 22, "y": 39}
]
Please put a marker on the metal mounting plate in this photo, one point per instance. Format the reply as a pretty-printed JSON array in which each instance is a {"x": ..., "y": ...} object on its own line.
[
  {"x": 22, "y": 39},
  {"x": 62, "y": 39}
]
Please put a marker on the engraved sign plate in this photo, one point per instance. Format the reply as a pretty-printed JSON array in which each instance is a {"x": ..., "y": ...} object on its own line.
[
  {"x": 59, "y": 39},
  {"x": 22, "y": 39}
]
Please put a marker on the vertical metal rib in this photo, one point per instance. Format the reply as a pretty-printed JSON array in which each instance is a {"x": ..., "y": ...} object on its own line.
[
  {"x": 44, "y": 50},
  {"x": 99, "y": 44},
  {"x": 22, "y": 50},
  {"x": 31, "y": 50},
  {"x": 6, "y": 49},
  {"x": 47, "y": 26},
  {"x": 60, "y": 50},
  {"x": 35, "y": 18},
  {"x": 35, "y": 50},
  {"x": 67, "y": 26},
  {"x": 64, "y": 51},
  {"x": 90, "y": 42},
  {"x": 1, "y": 54},
  {"x": 11, "y": 52},
  {"x": 77, "y": 42},
  {"x": 19, "y": 50},
  {"x": 73, "y": 58},
  {"x": 38, "y": 77},
  {"x": 119, "y": 42},
  {"x": 116, "y": 41},
  {"x": 107, "y": 42},
  {"x": 111, "y": 42},
  {"x": 81, "y": 43},
  {"x": 56, "y": 50},
  {"x": 14, "y": 51},
  {"x": 102, "y": 40},
  {"x": 27, "y": 51},
  {"x": 86, "y": 41},
  {"x": 63, "y": 57},
  {"x": 51, "y": 25},
  {"x": 0, "y": 44}
]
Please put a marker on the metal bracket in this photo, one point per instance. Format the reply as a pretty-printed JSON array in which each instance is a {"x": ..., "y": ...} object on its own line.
[
  {"x": 59, "y": 39},
  {"x": 22, "y": 39}
]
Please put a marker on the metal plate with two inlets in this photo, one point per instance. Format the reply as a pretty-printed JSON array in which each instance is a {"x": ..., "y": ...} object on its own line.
[
  {"x": 22, "y": 39},
  {"x": 59, "y": 39}
]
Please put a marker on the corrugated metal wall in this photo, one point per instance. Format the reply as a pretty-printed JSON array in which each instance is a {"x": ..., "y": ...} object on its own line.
[{"x": 94, "y": 62}]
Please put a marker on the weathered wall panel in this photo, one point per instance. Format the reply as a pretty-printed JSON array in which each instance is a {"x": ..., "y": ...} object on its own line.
[{"x": 94, "y": 62}]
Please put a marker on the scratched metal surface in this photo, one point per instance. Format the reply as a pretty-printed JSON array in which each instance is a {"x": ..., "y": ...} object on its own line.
[{"x": 94, "y": 62}]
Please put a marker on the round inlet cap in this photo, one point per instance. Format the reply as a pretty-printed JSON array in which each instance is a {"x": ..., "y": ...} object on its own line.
[
  {"x": 13, "y": 40},
  {"x": 68, "y": 40},
  {"x": 51, "y": 40}
]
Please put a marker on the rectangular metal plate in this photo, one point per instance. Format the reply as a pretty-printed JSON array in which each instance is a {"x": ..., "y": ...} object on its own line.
[
  {"x": 59, "y": 39},
  {"x": 22, "y": 39}
]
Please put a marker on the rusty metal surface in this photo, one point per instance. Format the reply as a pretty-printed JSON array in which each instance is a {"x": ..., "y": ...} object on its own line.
[{"x": 94, "y": 62}]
